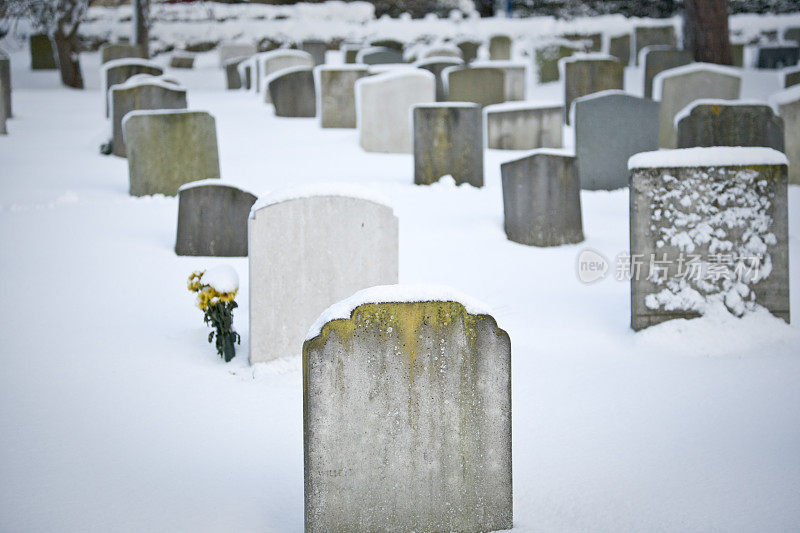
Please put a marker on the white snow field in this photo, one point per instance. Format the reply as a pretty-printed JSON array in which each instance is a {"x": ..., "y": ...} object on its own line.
[{"x": 117, "y": 415}]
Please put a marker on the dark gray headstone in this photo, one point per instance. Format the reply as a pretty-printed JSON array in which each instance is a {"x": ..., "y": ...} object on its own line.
[
  {"x": 653, "y": 35},
  {"x": 435, "y": 66},
  {"x": 777, "y": 56},
  {"x": 448, "y": 139},
  {"x": 482, "y": 85},
  {"x": 110, "y": 52},
  {"x": 183, "y": 60},
  {"x": 792, "y": 34},
  {"x": 589, "y": 75},
  {"x": 233, "y": 78},
  {"x": 658, "y": 59},
  {"x": 212, "y": 220},
  {"x": 3, "y": 111},
  {"x": 541, "y": 199},
  {"x": 620, "y": 47},
  {"x": 42, "y": 55},
  {"x": 119, "y": 70},
  {"x": 717, "y": 124},
  {"x": 317, "y": 50},
  {"x": 292, "y": 92},
  {"x": 5, "y": 81},
  {"x": 129, "y": 97},
  {"x": 469, "y": 50},
  {"x": 610, "y": 128},
  {"x": 379, "y": 56}
]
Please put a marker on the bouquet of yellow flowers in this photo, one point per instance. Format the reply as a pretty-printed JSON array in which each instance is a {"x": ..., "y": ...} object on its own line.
[{"x": 216, "y": 289}]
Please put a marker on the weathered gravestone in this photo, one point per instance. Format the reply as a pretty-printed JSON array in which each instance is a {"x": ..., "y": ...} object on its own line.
[
  {"x": 541, "y": 199},
  {"x": 233, "y": 78},
  {"x": 212, "y": 219},
  {"x": 787, "y": 104},
  {"x": 777, "y": 56},
  {"x": 270, "y": 62},
  {"x": 448, "y": 140},
  {"x": 308, "y": 249},
  {"x": 385, "y": 100},
  {"x": 436, "y": 66},
  {"x": 676, "y": 88},
  {"x": 728, "y": 123},
  {"x": 653, "y": 35},
  {"x": 42, "y": 55},
  {"x": 708, "y": 228},
  {"x": 482, "y": 85},
  {"x": 524, "y": 125},
  {"x": 118, "y": 71},
  {"x": 658, "y": 59},
  {"x": 350, "y": 52},
  {"x": 407, "y": 414},
  {"x": 469, "y": 50},
  {"x": 292, "y": 92},
  {"x": 737, "y": 54},
  {"x": 547, "y": 57},
  {"x": 337, "y": 94},
  {"x": 587, "y": 74},
  {"x": 610, "y": 127},
  {"x": 316, "y": 48},
  {"x": 110, "y": 52},
  {"x": 792, "y": 34},
  {"x": 516, "y": 75},
  {"x": 183, "y": 60},
  {"x": 620, "y": 47},
  {"x": 5, "y": 81},
  {"x": 791, "y": 77},
  {"x": 228, "y": 51},
  {"x": 500, "y": 47},
  {"x": 167, "y": 149},
  {"x": 379, "y": 55},
  {"x": 141, "y": 94}
]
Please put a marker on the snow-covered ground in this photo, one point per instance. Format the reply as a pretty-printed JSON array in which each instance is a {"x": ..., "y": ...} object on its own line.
[{"x": 117, "y": 415}]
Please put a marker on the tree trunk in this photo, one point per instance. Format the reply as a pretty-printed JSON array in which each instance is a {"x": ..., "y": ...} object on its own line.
[
  {"x": 141, "y": 22},
  {"x": 705, "y": 31},
  {"x": 67, "y": 48}
]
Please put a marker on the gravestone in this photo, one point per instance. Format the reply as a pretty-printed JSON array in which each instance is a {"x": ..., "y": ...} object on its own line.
[
  {"x": 541, "y": 199},
  {"x": 407, "y": 414},
  {"x": 118, "y": 71},
  {"x": 737, "y": 54},
  {"x": 792, "y": 34},
  {"x": 791, "y": 77},
  {"x": 337, "y": 94},
  {"x": 183, "y": 60},
  {"x": 500, "y": 48},
  {"x": 516, "y": 75},
  {"x": 307, "y": 251},
  {"x": 212, "y": 219},
  {"x": 610, "y": 127},
  {"x": 376, "y": 55},
  {"x": 110, "y": 52},
  {"x": 316, "y": 48},
  {"x": 653, "y": 35},
  {"x": 42, "y": 54},
  {"x": 228, "y": 51},
  {"x": 385, "y": 100},
  {"x": 292, "y": 92},
  {"x": 169, "y": 148},
  {"x": 524, "y": 125},
  {"x": 708, "y": 228},
  {"x": 233, "y": 78},
  {"x": 141, "y": 94},
  {"x": 436, "y": 66},
  {"x": 448, "y": 140},
  {"x": 778, "y": 56},
  {"x": 3, "y": 90},
  {"x": 5, "y": 81},
  {"x": 547, "y": 58},
  {"x": 787, "y": 104},
  {"x": 587, "y": 74},
  {"x": 719, "y": 123},
  {"x": 350, "y": 52},
  {"x": 678, "y": 87},
  {"x": 482, "y": 85},
  {"x": 469, "y": 50},
  {"x": 268, "y": 63},
  {"x": 620, "y": 47},
  {"x": 658, "y": 59},
  {"x": 388, "y": 43}
]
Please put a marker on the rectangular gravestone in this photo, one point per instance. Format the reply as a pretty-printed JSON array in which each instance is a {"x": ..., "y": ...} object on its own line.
[
  {"x": 448, "y": 140},
  {"x": 316, "y": 48},
  {"x": 728, "y": 123},
  {"x": 587, "y": 74},
  {"x": 524, "y": 125},
  {"x": 791, "y": 77},
  {"x": 119, "y": 71},
  {"x": 292, "y": 92},
  {"x": 620, "y": 47},
  {"x": 337, "y": 94},
  {"x": 659, "y": 58},
  {"x": 516, "y": 75},
  {"x": 653, "y": 35},
  {"x": 787, "y": 104},
  {"x": 42, "y": 54},
  {"x": 5, "y": 81},
  {"x": 268, "y": 63},
  {"x": 233, "y": 78},
  {"x": 778, "y": 56},
  {"x": 500, "y": 48},
  {"x": 379, "y": 55},
  {"x": 481, "y": 85},
  {"x": 110, "y": 52}
]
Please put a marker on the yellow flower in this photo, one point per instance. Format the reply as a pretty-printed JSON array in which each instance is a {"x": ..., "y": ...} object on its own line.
[{"x": 207, "y": 295}]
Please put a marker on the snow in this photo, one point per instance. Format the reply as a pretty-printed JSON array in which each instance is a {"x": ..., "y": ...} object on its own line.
[
  {"x": 221, "y": 278},
  {"x": 139, "y": 80},
  {"x": 653, "y": 47},
  {"x": 347, "y": 190},
  {"x": 715, "y": 156},
  {"x": 446, "y": 104},
  {"x": 562, "y": 152},
  {"x": 521, "y": 105},
  {"x": 786, "y": 96},
  {"x": 397, "y": 294},
  {"x": 686, "y": 111},
  {"x": 211, "y": 182},
  {"x": 269, "y": 78},
  {"x": 659, "y": 78},
  {"x": 140, "y": 112}
]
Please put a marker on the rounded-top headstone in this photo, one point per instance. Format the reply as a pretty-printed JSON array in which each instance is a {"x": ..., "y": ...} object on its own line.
[
  {"x": 119, "y": 70},
  {"x": 729, "y": 123},
  {"x": 110, "y": 52},
  {"x": 379, "y": 55},
  {"x": 482, "y": 85},
  {"x": 500, "y": 47},
  {"x": 292, "y": 92}
]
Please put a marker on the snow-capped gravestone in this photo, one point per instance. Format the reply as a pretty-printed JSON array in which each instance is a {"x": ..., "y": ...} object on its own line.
[
  {"x": 729, "y": 123},
  {"x": 658, "y": 59},
  {"x": 169, "y": 148},
  {"x": 777, "y": 56},
  {"x": 547, "y": 57},
  {"x": 316, "y": 48},
  {"x": 469, "y": 50},
  {"x": 482, "y": 85},
  {"x": 620, "y": 47},
  {"x": 228, "y": 51},
  {"x": 589, "y": 73},
  {"x": 5, "y": 82},
  {"x": 448, "y": 140},
  {"x": 791, "y": 77},
  {"x": 139, "y": 94},
  {"x": 787, "y": 103},
  {"x": 337, "y": 94},
  {"x": 516, "y": 75},
  {"x": 42, "y": 55},
  {"x": 379, "y": 55},
  {"x": 610, "y": 127},
  {"x": 267, "y": 63},
  {"x": 708, "y": 228},
  {"x": 233, "y": 78},
  {"x": 644, "y": 36},
  {"x": 110, "y": 52},
  {"x": 500, "y": 48},
  {"x": 541, "y": 199},
  {"x": 385, "y": 100},
  {"x": 292, "y": 92},
  {"x": 407, "y": 414},
  {"x": 436, "y": 66},
  {"x": 524, "y": 125},
  {"x": 308, "y": 249},
  {"x": 118, "y": 71},
  {"x": 678, "y": 87},
  {"x": 212, "y": 219}
]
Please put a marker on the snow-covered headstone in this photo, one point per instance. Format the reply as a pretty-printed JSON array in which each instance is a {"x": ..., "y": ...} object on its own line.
[
  {"x": 384, "y": 101},
  {"x": 379, "y": 55},
  {"x": 441, "y": 51},
  {"x": 316, "y": 48},
  {"x": 212, "y": 219},
  {"x": 118, "y": 71},
  {"x": 677, "y": 87},
  {"x": 541, "y": 199},
  {"x": 481, "y": 85},
  {"x": 589, "y": 73},
  {"x": 610, "y": 127},
  {"x": 729, "y": 123},
  {"x": 292, "y": 92},
  {"x": 168, "y": 148},
  {"x": 407, "y": 414},
  {"x": 308, "y": 249},
  {"x": 516, "y": 74},
  {"x": 658, "y": 58},
  {"x": 448, "y": 140},
  {"x": 524, "y": 125},
  {"x": 267, "y": 63},
  {"x": 228, "y": 51},
  {"x": 778, "y": 55},
  {"x": 500, "y": 48},
  {"x": 5, "y": 82},
  {"x": 337, "y": 94},
  {"x": 644, "y": 36},
  {"x": 708, "y": 229},
  {"x": 787, "y": 103},
  {"x": 436, "y": 66},
  {"x": 110, "y": 52}
]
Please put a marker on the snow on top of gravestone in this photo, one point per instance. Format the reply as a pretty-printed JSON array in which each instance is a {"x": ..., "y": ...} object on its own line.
[
  {"x": 281, "y": 52},
  {"x": 786, "y": 96},
  {"x": 498, "y": 63},
  {"x": 222, "y": 278},
  {"x": 140, "y": 80},
  {"x": 438, "y": 59},
  {"x": 345, "y": 190},
  {"x": 284, "y": 71},
  {"x": 396, "y": 73},
  {"x": 445, "y": 104},
  {"x": 560, "y": 152},
  {"x": 654, "y": 48},
  {"x": 659, "y": 78},
  {"x": 139, "y": 112},
  {"x": 687, "y": 110},
  {"x": 215, "y": 182},
  {"x": 127, "y": 61},
  {"x": 236, "y": 59},
  {"x": 397, "y": 294},
  {"x": 594, "y": 96},
  {"x": 715, "y": 156},
  {"x": 522, "y": 105},
  {"x": 344, "y": 66}
]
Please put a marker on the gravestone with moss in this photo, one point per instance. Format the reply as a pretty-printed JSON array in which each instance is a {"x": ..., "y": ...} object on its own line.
[
  {"x": 717, "y": 123},
  {"x": 547, "y": 56},
  {"x": 589, "y": 74},
  {"x": 119, "y": 70},
  {"x": 407, "y": 414},
  {"x": 337, "y": 94}
]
